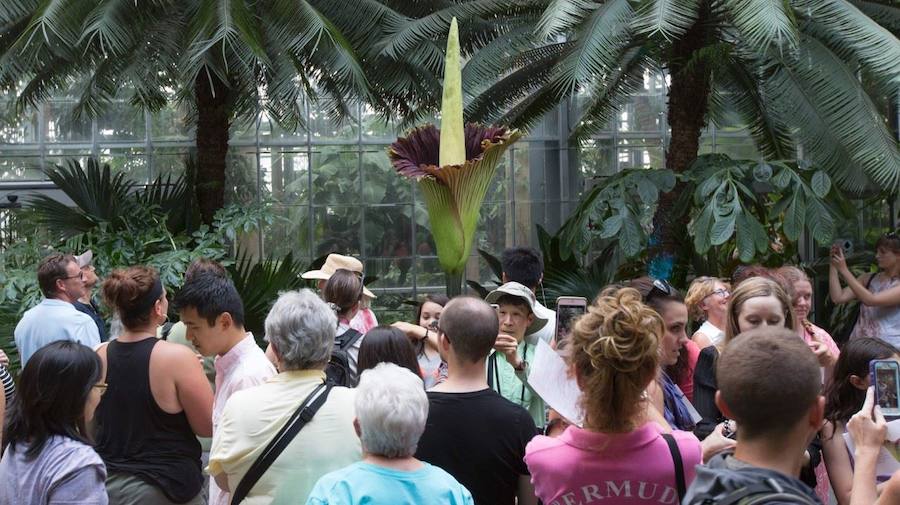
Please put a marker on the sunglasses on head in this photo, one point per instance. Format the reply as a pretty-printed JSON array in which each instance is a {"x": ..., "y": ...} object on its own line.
[{"x": 661, "y": 288}]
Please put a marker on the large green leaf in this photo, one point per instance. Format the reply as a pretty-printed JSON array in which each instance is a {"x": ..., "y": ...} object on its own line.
[{"x": 260, "y": 281}]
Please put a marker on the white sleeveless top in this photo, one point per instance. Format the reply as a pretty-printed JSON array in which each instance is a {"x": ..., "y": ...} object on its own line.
[
  {"x": 716, "y": 336},
  {"x": 879, "y": 322}
]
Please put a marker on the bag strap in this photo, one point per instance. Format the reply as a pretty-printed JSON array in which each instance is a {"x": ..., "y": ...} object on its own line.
[
  {"x": 679, "y": 465},
  {"x": 166, "y": 329},
  {"x": 348, "y": 338},
  {"x": 298, "y": 420},
  {"x": 492, "y": 365}
]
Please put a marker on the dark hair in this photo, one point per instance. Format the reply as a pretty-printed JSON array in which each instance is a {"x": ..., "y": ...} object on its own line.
[
  {"x": 343, "y": 289},
  {"x": 52, "y": 268},
  {"x": 764, "y": 394},
  {"x": 843, "y": 399},
  {"x": 656, "y": 299},
  {"x": 523, "y": 265},
  {"x": 211, "y": 295},
  {"x": 204, "y": 265},
  {"x": 52, "y": 391},
  {"x": 515, "y": 301},
  {"x": 439, "y": 299},
  {"x": 471, "y": 326},
  {"x": 386, "y": 344},
  {"x": 890, "y": 241},
  {"x": 127, "y": 290}
]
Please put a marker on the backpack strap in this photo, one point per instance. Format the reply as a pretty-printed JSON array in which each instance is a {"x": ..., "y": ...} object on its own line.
[
  {"x": 302, "y": 415},
  {"x": 348, "y": 338},
  {"x": 679, "y": 465},
  {"x": 762, "y": 492}
]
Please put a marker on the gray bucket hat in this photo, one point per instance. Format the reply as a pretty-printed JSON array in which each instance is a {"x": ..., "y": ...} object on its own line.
[{"x": 519, "y": 291}]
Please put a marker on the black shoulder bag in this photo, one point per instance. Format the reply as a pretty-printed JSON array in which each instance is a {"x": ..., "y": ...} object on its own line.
[{"x": 301, "y": 416}]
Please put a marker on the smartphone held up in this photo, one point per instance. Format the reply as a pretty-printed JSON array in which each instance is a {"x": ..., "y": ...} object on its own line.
[
  {"x": 568, "y": 310},
  {"x": 885, "y": 376}
]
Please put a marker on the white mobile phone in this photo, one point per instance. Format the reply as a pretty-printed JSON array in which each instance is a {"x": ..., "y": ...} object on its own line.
[{"x": 568, "y": 310}]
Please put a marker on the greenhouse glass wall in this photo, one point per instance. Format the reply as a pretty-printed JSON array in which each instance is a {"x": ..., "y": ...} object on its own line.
[{"x": 335, "y": 191}]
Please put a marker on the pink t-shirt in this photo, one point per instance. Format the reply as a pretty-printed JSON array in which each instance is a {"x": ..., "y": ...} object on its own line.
[{"x": 584, "y": 466}]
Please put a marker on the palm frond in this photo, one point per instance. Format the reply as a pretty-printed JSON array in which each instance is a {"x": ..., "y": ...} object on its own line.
[
  {"x": 764, "y": 24},
  {"x": 610, "y": 92},
  {"x": 561, "y": 16},
  {"x": 887, "y": 14},
  {"x": 668, "y": 18},
  {"x": 98, "y": 197},
  {"x": 434, "y": 25},
  {"x": 598, "y": 42},
  {"x": 837, "y": 124},
  {"x": 260, "y": 281},
  {"x": 533, "y": 69},
  {"x": 852, "y": 34},
  {"x": 108, "y": 26},
  {"x": 772, "y": 136}
]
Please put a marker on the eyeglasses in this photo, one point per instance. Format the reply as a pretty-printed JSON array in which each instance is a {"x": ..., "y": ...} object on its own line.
[
  {"x": 80, "y": 275},
  {"x": 720, "y": 292},
  {"x": 102, "y": 387},
  {"x": 660, "y": 287}
]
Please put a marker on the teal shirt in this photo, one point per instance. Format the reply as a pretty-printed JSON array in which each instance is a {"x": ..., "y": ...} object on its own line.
[
  {"x": 513, "y": 384},
  {"x": 364, "y": 483}
]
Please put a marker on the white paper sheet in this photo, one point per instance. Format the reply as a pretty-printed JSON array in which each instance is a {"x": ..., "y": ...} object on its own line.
[
  {"x": 887, "y": 463},
  {"x": 549, "y": 379}
]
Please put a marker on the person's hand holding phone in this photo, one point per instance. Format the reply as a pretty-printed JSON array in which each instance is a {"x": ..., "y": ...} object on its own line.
[
  {"x": 509, "y": 347},
  {"x": 716, "y": 442},
  {"x": 868, "y": 427},
  {"x": 837, "y": 258}
]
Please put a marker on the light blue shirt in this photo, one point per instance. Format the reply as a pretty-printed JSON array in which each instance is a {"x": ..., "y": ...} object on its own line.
[
  {"x": 363, "y": 483},
  {"x": 53, "y": 320}
]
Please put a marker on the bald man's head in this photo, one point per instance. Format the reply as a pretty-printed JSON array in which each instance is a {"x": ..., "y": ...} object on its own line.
[{"x": 471, "y": 326}]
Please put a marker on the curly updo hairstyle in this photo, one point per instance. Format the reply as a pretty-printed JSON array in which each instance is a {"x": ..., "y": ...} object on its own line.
[{"x": 614, "y": 351}]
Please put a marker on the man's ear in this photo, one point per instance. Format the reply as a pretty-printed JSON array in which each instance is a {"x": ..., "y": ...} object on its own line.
[
  {"x": 225, "y": 320},
  {"x": 817, "y": 413},
  {"x": 356, "y": 427},
  {"x": 531, "y": 318},
  {"x": 443, "y": 343},
  {"x": 723, "y": 408}
]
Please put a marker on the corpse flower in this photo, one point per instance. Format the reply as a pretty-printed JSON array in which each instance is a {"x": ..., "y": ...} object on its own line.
[{"x": 454, "y": 167}]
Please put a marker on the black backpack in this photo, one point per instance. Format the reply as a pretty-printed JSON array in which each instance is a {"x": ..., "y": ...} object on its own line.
[
  {"x": 759, "y": 493},
  {"x": 338, "y": 371}
]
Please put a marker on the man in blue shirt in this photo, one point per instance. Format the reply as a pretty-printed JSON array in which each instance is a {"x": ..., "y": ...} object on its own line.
[{"x": 55, "y": 318}]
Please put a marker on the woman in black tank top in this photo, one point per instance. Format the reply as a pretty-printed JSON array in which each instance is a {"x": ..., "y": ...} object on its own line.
[{"x": 152, "y": 456}]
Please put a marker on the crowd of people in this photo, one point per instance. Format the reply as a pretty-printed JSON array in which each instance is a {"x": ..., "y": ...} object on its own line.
[{"x": 728, "y": 394}]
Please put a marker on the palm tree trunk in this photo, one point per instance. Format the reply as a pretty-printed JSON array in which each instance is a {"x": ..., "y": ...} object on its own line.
[
  {"x": 213, "y": 122},
  {"x": 688, "y": 102}
]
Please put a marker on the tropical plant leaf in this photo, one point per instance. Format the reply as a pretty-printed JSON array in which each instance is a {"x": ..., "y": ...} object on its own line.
[
  {"x": 669, "y": 18},
  {"x": 260, "y": 282}
]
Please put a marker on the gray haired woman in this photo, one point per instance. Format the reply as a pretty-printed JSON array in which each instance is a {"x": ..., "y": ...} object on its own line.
[
  {"x": 300, "y": 329},
  {"x": 391, "y": 409}
]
